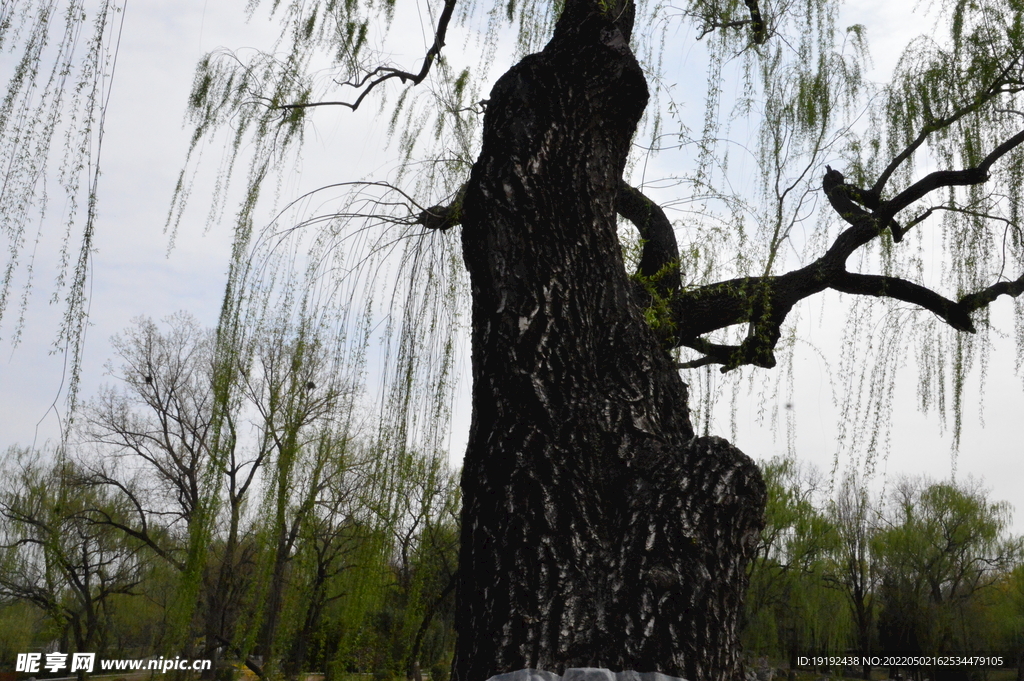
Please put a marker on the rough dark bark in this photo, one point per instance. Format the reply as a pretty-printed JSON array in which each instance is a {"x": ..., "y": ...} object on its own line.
[{"x": 597, "y": 530}]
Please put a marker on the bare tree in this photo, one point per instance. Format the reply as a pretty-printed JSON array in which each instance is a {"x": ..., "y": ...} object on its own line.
[
  {"x": 261, "y": 470},
  {"x": 855, "y": 570},
  {"x": 942, "y": 544},
  {"x": 56, "y": 556}
]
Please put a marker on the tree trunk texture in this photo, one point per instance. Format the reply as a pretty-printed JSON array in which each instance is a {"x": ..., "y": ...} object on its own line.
[{"x": 596, "y": 530}]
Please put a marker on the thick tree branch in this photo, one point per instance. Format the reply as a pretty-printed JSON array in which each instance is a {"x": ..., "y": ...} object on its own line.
[
  {"x": 384, "y": 73},
  {"x": 952, "y": 313},
  {"x": 104, "y": 518},
  {"x": 949, "y": 178},
  {"x": 841, "y": 196},
  {"x": 856, "y": 206},
  {"x": 979, "y": 299},
  {"x": 764, "y": 302},
  {"x": 759, "y": 33},
  {"x": 443, "y": 217},
  {"x": 753, "y": 351},
  {"x": 659, "y": 261}
]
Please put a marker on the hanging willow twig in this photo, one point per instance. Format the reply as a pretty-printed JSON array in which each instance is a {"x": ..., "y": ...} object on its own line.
[{"x": 381, "y": 74}]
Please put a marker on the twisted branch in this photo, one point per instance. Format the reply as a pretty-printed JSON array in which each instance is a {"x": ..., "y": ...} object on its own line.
[{"x": 384, "y": 73}]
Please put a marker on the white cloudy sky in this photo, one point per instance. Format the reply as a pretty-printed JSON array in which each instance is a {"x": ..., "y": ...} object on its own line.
[{"x": 133, "y": 274}]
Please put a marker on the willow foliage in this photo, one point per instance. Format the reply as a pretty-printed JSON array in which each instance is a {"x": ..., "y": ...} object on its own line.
[
  {"x": 782, "y": 73},
  {"x": 51, "y": 124}
]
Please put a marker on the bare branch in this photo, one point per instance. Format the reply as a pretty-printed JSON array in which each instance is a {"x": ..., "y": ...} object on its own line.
[
  {"x": 994, "y": 89},
  {"x": 659, "y": 261},
  {"x": 979, "y": 299},
  {"x": 384, "y": 73},
  {"x": 952, "y": 313},
  {"x": 100, "y": 516},
  {"x": 949, "y": 178}
]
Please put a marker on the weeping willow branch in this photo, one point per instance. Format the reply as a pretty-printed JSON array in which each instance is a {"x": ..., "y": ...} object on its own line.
[
  {"x": 58, "y": 89},
  {"x": 758, "y": 29},
  {"x": 382, "y": 74},
  {"x": 999, "y": 85},
  {"x": 764, "y": 302},
  {"x": 979, "y": 299}
]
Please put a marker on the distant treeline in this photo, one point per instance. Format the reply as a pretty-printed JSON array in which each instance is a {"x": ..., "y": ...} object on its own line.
[
  {"x": 234, "y": 505},
  {"x": 922, "y": 568}
]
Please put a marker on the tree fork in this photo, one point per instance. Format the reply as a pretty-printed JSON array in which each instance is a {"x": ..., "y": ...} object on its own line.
[{"x": 597, "y": 530}]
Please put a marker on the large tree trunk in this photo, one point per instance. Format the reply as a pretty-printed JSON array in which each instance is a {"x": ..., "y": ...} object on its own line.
[{"x": 597, "y": 530}]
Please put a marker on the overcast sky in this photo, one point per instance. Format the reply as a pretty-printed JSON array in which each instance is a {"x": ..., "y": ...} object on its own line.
[{"x": 133, "y": 273}]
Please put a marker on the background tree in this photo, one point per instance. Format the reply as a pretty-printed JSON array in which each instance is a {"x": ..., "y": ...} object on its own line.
[
  {"x": 425, "y": 561},
  {"x": 306, "y": 511},
  {"x": 790, "y": 608},
  {"x": 330, "y": 539},
  {"x": 56, "y": 557},
  {"x": 1007, "y": 603},
  {"x": 153, "y": 432},
  {"x": 299, "y": 441},
  {"x": 879, "y": 558},
  {"x": 155, "y": 445},
  {"x": 854, "y": 571},
  {"x": 943, "y": 546}
]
